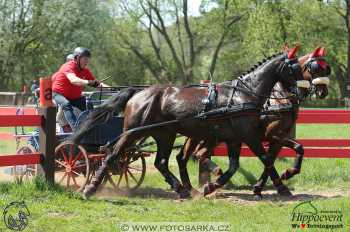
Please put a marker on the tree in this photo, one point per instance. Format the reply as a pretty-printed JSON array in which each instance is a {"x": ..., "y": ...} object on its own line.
[
  {"x": 342, "y": 63},
  {"x": 167, "y": 40}
]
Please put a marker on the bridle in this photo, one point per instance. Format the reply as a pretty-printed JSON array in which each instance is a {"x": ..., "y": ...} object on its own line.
[
  {"x": 312, "y": 66},
  {"x": 293, "y": 66}
]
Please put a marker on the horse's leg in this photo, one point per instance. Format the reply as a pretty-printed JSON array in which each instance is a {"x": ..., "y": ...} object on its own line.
[
  {"x": 203, "y": 155},
  {"x": 165, "y": 145},
  {"x": 257, "y": 148},
  {"x": 125, "y": 140},
  {"x": 299, "y": 150},
  {"x": 233, "y": 153},
  {"x": 182, "y": 159},
  {"x": 274, "y": 149}
]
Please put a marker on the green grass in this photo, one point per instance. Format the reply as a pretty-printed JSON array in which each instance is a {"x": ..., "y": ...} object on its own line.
[
  {"x": 323, "y": 131},
  {"x": 53, "y": 209},
  {"x": 12, "y": 129}
]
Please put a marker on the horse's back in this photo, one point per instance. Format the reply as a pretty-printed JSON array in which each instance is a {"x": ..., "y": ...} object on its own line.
[{"x": 162, "y": 103}]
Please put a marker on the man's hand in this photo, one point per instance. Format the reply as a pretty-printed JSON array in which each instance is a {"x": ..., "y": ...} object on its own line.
[{"x": 93, "y": 83}]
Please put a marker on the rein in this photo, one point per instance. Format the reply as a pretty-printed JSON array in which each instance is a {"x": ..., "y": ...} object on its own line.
[{"x": 249, "y": 91}]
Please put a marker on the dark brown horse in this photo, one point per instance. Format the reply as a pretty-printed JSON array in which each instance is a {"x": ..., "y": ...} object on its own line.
[
  {"x": 164, "y": 111},
  {"x": 277, "y": 121}
]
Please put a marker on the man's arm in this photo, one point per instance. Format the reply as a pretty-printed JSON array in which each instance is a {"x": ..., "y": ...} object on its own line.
[{"x": 76, "y": 80}]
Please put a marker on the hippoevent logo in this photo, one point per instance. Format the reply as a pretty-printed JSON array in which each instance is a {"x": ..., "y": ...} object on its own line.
[
  {"x": 306, "y": 216},
  {"x": 16, "y": 215}
]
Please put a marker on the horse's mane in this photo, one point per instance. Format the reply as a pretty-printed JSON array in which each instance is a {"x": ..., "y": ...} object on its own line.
[{"x": 260, "y": 63}]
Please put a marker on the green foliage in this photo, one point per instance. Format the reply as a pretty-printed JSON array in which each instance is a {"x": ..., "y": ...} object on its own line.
[{"x": 36, "y": 35}]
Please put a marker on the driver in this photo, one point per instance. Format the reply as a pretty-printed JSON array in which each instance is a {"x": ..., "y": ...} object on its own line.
[{"x": 69, "y": 81}]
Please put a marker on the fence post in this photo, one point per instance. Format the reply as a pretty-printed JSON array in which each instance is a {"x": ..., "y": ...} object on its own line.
[{"x": 48, "y": 129}]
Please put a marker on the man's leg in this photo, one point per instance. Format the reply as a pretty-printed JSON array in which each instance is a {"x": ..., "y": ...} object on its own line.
[
  {"x": 67, "y": 108},
  {"x": 80, "y": 103}
]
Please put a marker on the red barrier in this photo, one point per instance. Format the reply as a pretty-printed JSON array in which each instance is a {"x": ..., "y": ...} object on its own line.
[
  {"x": 46, "y": 122},
  {"x": 315, "y": 148},
  {"x": 12, "y": 160},
  {"x": 324, "y": 116},
  {"x": 20, "y": 120},
  {"x": 286, "y": 152}
]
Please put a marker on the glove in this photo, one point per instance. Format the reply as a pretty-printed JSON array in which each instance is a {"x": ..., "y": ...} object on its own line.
[{"x": 93, "y": 83}]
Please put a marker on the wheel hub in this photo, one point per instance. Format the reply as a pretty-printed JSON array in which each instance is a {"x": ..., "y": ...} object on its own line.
[{"x": 68, "y": 168}]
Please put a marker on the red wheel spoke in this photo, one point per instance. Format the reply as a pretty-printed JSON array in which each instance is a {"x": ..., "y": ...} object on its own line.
[
  {"x": 64, "y": 155},
  {"x": 75, "y": 182},
  {"x": 91, "y": 176},
  {"x": 71, "y": 153},
  {"x": 127, "y": 180},
  {"x": 59, "y": 162},
  {"x": 120, "y": 179},
  {"x": 79, "y": 174},
  {"x": 77, "y": 157},
  {"x": 140, "y": 170},
  {"x": 112, "y": 182},
  {"x": 62, "y": 178},
  {"x": 68, "y": 180},
  {"x": 132, "y": 176},
  {"x": 79, "y": 166}
]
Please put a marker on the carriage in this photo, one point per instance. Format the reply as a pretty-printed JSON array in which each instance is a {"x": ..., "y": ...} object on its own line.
[{"x": 75, "y": 164}]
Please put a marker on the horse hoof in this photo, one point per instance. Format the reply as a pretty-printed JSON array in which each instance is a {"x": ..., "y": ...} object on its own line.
[
  {"x": 195, "y": 193},
  {"x": 89, "y": 191},
  {"x": 284, "y": 191},
  {"x": 184, "y": 194},
  {"x": 258, "y": 197},
  {"x": 209, "y": 188}
]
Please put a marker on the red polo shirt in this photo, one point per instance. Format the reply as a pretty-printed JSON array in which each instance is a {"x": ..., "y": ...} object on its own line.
[{"x": 62, "y": 85}]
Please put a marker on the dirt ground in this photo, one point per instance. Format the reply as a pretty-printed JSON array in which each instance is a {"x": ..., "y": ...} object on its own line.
[
  {"x": 235, "y": 196},
  {"x": 240, "y": 196}
]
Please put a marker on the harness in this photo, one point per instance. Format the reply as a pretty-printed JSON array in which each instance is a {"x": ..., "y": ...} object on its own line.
[
  {"x": 210, "y": 101},
  {"x": 225, "y": 112},
  {"x": 211, "y": 112}
]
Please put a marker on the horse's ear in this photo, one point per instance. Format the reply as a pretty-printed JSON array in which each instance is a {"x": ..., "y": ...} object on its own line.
[
  {"x": 315, "y": 53},
  {"x": 322, "y": 52},
  {"x": 293, "y": 52},
  {"x": 285, "y": 47}
]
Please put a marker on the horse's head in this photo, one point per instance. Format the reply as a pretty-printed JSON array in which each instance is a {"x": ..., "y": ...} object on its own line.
[
  {"x": 316, "y": 70},
  {"x": 282, "y": 67},
  {"x": 290, "y": 71}
]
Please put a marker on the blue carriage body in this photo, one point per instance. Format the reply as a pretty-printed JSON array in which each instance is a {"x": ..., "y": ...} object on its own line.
[
  {"x": 102, "y": 133},
  {"x": 99, "y": 135}
]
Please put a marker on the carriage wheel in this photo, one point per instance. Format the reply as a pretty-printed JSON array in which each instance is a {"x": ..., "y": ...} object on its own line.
[
  {"x": 130, "y": 175},
  {"x": 25, "y": 171},
  {"x": 71, "y": 166}
]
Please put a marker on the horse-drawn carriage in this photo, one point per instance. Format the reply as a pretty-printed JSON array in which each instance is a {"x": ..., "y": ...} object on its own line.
[
  {"x": 76, "y": 164},
  {"x": 180, "y": 111}
]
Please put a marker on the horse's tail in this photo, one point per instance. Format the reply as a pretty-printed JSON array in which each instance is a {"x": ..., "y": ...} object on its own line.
[{"x": 103, "y": 113}]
